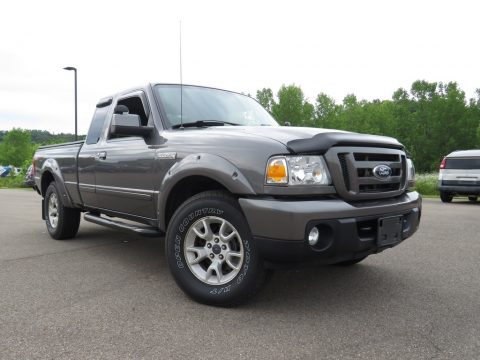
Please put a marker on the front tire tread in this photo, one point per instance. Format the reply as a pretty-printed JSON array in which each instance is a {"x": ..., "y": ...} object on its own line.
[{"x": 239, "y": 293}]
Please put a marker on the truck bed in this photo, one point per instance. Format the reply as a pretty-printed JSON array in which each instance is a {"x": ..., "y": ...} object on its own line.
[
  {"x": 61, "y": 159},
  {"x": 79, "y": 142}
]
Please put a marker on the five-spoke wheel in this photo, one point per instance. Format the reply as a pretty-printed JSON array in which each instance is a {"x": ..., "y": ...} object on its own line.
[{"x": 213, "y": 250}]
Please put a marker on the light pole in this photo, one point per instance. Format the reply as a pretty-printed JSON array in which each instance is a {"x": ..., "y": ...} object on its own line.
[{"x": 75, "y": 70}]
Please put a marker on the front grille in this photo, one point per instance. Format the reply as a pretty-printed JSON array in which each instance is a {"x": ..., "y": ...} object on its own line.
[
  {"x": 368, "y": 172},
  {"x": 343, "y": 164},
  {"x": 373, "y": 188},
  {"x": 375, "y": 157},
  {"x": 353, "y": 172}
]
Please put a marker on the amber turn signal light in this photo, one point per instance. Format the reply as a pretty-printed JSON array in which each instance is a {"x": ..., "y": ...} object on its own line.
[{"x": 277, "y": 171}]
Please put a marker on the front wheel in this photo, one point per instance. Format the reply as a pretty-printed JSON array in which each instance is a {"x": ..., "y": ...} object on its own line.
[
  {"x": 210, "y": 251},
  {"x": 445, "y": 197},
  {"x": 62, "y": 222}
]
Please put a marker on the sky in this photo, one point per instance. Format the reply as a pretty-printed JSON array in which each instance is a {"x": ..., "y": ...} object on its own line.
[{"x": 369, "y": 48}]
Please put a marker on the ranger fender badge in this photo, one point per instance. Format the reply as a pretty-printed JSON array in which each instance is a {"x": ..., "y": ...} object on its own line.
[{"x": 166, "y": 155}]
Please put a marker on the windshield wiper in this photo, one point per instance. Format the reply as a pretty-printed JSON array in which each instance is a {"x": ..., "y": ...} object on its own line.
[{"x": 203, "y": 123}]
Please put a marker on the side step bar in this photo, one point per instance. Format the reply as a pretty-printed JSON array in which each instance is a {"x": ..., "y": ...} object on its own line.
[{"x": 148, "y": 231}]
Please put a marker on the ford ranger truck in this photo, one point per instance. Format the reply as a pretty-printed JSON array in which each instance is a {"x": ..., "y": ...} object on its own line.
[{"x": 234, "y": 194}]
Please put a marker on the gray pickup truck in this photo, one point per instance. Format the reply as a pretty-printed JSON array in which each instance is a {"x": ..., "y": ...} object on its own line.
[{"x": 235, "y": 194}]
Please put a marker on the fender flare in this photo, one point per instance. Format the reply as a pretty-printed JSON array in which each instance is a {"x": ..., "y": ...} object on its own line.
[
  {"x": 50, "y": 165},
  {"x": 202, "y": 164}
]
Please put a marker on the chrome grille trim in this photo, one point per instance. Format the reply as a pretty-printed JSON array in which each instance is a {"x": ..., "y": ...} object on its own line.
[{"x": 352, "y": 172}]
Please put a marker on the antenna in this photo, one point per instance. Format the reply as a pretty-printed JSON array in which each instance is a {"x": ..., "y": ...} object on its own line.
[{"x": 181, "y": 79}]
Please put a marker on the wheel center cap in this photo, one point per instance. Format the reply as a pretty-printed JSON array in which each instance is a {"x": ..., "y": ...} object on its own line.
[{"x": 216, "y": 249}]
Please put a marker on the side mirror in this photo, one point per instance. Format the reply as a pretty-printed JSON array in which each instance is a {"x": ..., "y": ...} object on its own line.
[
  {"x": 120, "y": 109},
  {"x": 129, "y": 124}
]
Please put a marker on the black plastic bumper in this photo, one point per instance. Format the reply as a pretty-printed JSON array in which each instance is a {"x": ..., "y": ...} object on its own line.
[{"x": 340, "y": 240}]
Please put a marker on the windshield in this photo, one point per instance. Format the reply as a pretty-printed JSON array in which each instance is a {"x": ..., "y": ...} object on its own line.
[{"x": 201, "y": 104}]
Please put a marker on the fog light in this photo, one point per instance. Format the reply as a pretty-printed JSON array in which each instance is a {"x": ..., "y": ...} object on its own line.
[{"x": 313, "y": 236}]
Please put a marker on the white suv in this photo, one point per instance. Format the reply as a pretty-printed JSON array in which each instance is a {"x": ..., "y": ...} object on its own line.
[{"x": 460, "y": 175}]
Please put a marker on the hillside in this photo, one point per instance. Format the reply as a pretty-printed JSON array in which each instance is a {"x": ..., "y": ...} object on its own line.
[{"x": 42, "y": 137}]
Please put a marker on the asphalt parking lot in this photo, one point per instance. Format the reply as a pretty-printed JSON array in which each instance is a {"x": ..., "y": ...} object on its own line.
[{"x": 106, "y": 294}]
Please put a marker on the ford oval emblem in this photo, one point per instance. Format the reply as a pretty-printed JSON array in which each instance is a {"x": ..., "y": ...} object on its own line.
[{"x": 382, "y": 172}]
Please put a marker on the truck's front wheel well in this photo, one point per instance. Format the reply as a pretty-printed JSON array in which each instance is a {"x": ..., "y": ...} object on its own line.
[
  {"x": 187, "y": 188},
  {"x": 47, "y": 178}
]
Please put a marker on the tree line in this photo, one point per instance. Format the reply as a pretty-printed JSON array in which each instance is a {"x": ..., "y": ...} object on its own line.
[
  {"x": 44, "y": 137},
  {"x": 17, "y": 146},
  {"x": 431, "y": 119}
]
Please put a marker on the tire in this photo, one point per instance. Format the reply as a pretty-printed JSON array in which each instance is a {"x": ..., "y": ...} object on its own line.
[
  {"x": 227, "y": 248},
  {"x": 62, "y": 222},
  {"x": 445, "y": 197},
  {"x": 351, "y": 262},
  {"x": 472, "y": 198}
]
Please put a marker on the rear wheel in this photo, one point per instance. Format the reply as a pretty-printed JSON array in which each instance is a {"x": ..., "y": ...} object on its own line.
[
  {"x": 210, "y": 251},
  {"x": 445, "y": 197},
  {"x": 62, "y": 222},
  {"x": 472, "y": 198}
]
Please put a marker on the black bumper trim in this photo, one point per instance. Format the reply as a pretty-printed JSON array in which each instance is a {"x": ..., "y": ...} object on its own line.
[{"x": 340, "y": 240}]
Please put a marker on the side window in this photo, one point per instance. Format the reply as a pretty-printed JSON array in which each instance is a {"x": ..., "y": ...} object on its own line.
[
  {"x": 135, "y": 106},
  {"x": 96, "y": 126}
]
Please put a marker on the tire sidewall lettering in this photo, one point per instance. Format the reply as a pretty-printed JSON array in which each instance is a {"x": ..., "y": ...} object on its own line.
[
  {"x": 246, "y": 263},
  {"x": 177, "y": 249},
  {"x": 197, "y": 213}
]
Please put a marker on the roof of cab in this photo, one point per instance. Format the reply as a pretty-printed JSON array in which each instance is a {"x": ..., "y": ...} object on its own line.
[
  {"x": 108, "y": 99},
  {"x": 465, "y": 153}
]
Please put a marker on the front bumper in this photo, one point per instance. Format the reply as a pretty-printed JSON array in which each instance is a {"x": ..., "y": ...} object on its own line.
[{"x": 347, "y": 230}]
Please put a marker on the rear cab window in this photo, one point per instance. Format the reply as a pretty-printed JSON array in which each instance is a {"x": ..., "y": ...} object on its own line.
[{"x": 96, "y": 127}]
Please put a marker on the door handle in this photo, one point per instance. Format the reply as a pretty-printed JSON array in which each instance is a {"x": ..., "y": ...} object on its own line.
[{"x": 102, "y": 155}]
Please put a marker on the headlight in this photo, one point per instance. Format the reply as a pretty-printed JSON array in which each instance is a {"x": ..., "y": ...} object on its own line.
[
  {"x": 298, "y": 170},
  {"x": 410, "y": 173}
]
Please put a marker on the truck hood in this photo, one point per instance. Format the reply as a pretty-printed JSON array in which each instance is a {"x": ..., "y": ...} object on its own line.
[{"x": 308, "y": 140}]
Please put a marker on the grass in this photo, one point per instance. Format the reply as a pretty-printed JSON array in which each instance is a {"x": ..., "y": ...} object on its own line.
[
  {"x": 427, "y": 184},
  {"x": 12, "y": 182}
]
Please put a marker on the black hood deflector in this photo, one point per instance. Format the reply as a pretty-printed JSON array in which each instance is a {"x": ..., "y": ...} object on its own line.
[{"x": 320, "y": 143}]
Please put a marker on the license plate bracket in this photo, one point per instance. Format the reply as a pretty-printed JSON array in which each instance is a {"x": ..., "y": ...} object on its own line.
[{"x": 389, "y": 230}]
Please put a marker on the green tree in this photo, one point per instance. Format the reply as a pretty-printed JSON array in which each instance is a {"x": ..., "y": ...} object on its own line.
[
  {"x": 431, "y": 119},
  {"x": 325, "y": 111},
  {"x": 16, "y": 148},
  {"x": 474, "y": 111},
  {"x": 292, "y": 106},
  {"x": 308, "y": 112},
  {"x": 265, "y": 98}
]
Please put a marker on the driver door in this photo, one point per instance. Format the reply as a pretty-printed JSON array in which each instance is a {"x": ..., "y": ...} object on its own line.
[{"x": 124, "y": 168}]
